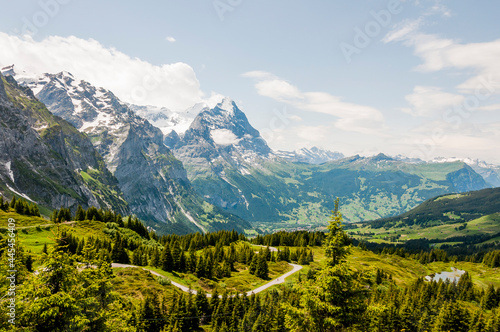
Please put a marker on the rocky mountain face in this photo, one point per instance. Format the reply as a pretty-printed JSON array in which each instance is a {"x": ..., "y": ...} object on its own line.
[
  {"x": 221, "y": 145},
  {"x": 220, "y": 136},
  {"x": 232, "y": 167},
  {"x": 153, "y": 181},
  {"x": 46, "y": 160}
]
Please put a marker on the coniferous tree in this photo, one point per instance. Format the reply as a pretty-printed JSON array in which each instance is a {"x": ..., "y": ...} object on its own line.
[
  {"x": 155, "y": 259},
  {"x": 80, "y": 214},
  {"x": 261, "y": 270},
  {"x": 119, "y": 254},
  {"x": 167, "y": 262},
  {"x": 334, "y": 300},
  {"x": 452, "y": 317}
]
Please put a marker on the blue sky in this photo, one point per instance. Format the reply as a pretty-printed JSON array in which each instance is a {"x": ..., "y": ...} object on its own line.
[{"x": 417, "y": 78}]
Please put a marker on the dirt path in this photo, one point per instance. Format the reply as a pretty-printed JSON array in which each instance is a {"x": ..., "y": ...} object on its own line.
[
  {"x": 44, "y": 225},
  {"x": 277, "y": 281}
]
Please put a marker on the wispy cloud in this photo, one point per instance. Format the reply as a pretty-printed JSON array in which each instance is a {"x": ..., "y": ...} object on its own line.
[
  {"x": 402, "y": 30},
  {"x": 350, "y": 116},
  {"x": 171, "y": 39},
  {"x": 429, "y": 101}
]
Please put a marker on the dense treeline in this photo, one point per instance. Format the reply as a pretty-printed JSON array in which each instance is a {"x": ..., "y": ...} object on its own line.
[
  {"x": 21, "y": 206},
  {"x": 290, "y": 239},
  {"x": 421, "y": 250},
  {"x": 492, "y": 259}
]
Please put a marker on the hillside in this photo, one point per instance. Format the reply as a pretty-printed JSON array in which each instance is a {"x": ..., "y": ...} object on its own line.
[
  {"x": 464, "y": 223},
  {"x": 450, "y": 208},
  {"x": 70, "y": 261}
]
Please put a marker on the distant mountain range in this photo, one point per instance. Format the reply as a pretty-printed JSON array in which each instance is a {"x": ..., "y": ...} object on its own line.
[
  {"x": 231, "y": 166},
  {"x": 208, "y": 168},
  {"x": 490, "y": 172},
  {"x": 313, "y": 155}
]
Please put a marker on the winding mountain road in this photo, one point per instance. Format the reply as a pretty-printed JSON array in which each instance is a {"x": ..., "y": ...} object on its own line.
[{"x": 277, "y": 281}]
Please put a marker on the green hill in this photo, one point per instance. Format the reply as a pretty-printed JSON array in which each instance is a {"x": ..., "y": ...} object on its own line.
[
  {"x": 450, "y": 208},
  {"x": 457, "y": 221}
]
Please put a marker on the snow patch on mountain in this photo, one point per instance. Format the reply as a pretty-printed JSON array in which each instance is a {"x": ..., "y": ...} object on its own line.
[
  {"x": 313, "y": 155},
  {"x": 167, "y": 120},
  {"x": 9, "y": 171},
  {"x": 20, "y": 194}
]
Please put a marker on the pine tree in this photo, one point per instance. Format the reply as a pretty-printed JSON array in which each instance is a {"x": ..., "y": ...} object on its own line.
[
  {"x": 201, "y": 270},
  {"x": 119, "y": 254},
  {"x": 155, "y": 260},
  {"x": 53, "y": 216},
  {"x": 202, "y": 306},
  {"x": 452, "y": 317},
  {"x": 337, "y": 241},
  {"x": 489, "y": 300},
  {"x": 80, "y": 214},
  {"x": 262, "y": 269},
  {"x": 334, "y": 300},
  {"x": 253, "y": 264},
  {"x": 167, "y": 262}
]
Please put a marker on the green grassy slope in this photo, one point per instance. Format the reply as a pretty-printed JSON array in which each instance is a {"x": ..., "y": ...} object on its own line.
[{"x": 449, "y": 208}]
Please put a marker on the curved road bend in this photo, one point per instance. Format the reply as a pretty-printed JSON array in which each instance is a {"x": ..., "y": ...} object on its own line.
[{"x": 277, "y": 281}]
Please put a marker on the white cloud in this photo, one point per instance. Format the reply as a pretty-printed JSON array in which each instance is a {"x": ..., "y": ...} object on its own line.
[
  {"x": 214, "y": 99},
  {"x": 259, "y": 74},
  {"x": 224, "y": 137},
  {"x": 493, "y": 107},
  {"x": 440, "y": 54},
  {"x": 171, "y": 39},
  {"x": 278, "y": 89},
  {"x": 351, "y": 117},
  {"x": 429, "y": 101},
  {"x": 133, "y": 80},
  {"x": 402, "y": 30}
]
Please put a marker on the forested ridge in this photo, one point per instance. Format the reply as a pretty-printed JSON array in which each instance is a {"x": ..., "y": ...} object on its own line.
[{"x": 69, "y": 285}]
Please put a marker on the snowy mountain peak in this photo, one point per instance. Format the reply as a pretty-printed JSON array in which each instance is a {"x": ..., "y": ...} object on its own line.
[
  {"x": 85, "y": 106},
  {"x": 227, "y": 104},
  {"x": 221, "y": 134},
  {"x": 313, "y": 155}
]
